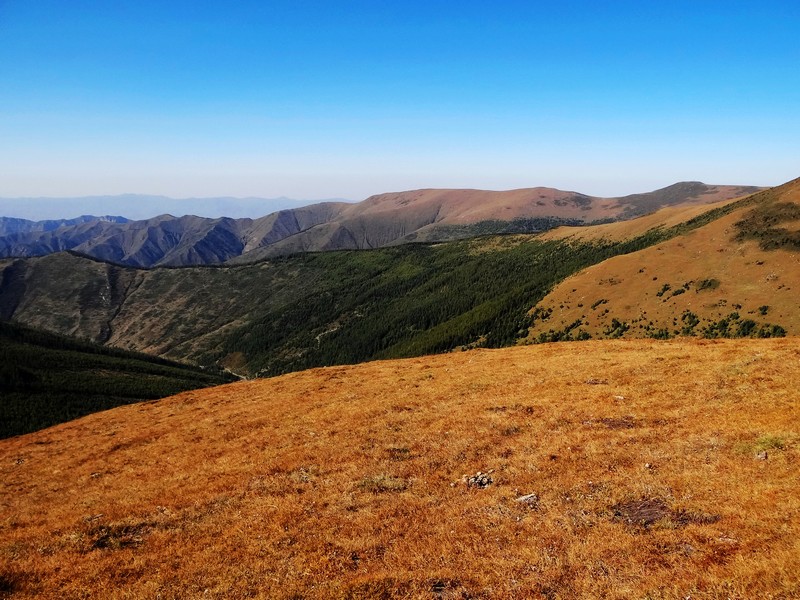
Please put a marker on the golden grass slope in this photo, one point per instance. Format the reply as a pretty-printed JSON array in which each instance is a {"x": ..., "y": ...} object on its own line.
[
  {"x": 740, "y": 277},
  {"x": 623, "y": 230},
  {"x": 347, "y": 482}
]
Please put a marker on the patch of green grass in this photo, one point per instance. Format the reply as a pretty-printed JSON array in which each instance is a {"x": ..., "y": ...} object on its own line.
[
  {"x": 770, "y": 442},
  {"x": 765, "y": 443}
]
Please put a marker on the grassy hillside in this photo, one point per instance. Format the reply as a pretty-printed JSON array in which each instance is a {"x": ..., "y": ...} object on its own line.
[
  {"x": 47, "y": 379},
  {"x": 737, "y": 276},
  {"x": 315, "y": 309},
  {"x": 614, "y": 469}
]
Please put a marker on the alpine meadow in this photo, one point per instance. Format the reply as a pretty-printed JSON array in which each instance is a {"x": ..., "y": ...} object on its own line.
[{"x": 356, "y": 301}]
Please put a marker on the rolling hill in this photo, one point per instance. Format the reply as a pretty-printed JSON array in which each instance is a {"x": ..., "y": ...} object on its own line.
[
  {"x": 607, "y": 469},
  {"x": 379, "y": 221},
  {"x": 737, "y": 275}
]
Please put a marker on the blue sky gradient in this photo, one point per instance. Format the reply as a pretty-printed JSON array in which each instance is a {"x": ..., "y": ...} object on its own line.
[{"x": 347, "y": 99}]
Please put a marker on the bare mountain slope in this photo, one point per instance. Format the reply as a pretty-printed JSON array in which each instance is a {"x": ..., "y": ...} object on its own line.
[
  {"x": 386, "y": 219},
  {"x": 613, "y": 469},
  {"x": 471, "y": 206},
  {"x": 436, "y": 215},
  {"x": 169, "y": 241}
]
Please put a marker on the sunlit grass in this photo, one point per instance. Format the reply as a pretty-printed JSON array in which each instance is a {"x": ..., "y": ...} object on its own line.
[{"x": 349, "y": 482}]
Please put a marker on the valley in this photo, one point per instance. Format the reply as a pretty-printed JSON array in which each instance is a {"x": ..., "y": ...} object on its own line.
[{"x": 342, "y": 307}]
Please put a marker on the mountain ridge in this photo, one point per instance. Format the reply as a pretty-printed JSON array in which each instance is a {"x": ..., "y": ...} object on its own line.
[
  {"x": 310, "y": 309},
  {"x": 14, "y": 225},
  {"x": 379, "y": 221}
]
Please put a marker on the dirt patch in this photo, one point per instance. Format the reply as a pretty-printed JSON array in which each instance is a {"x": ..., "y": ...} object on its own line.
[
  {"x": 398, "y": 453},
  {"x": 619, "y": 422},
  {"x": 641, "y": 512},
  {"x": 380, "y": 484},
  {"x": 447, "y": 589},
  {"x": 6, "y": 586},
  {"x": 645, "y": 512},
  {"x": 528, "y": 410},
  {"x": 626, "y": 422},
  {"x": 115, "y": 537}
]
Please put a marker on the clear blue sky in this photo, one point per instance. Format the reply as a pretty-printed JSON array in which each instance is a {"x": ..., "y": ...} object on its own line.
[{"x": 346, "y": 99}]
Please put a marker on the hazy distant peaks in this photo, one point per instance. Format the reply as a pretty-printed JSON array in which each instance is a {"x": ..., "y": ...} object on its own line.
[{"x": 142, "y": 206}]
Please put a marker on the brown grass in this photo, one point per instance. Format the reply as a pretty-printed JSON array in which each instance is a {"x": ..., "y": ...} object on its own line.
[
  {"x": 347, "y": 482},
  {"x": 746, "y": 276},
  {"x": 623, "y": 230}
]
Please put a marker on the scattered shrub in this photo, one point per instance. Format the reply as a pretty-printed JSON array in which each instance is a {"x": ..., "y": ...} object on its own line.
[{"x": 707, "y": 284}]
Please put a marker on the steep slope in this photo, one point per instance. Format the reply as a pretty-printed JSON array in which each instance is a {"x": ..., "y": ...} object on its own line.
[
  {"x": 166, "y": 240},
  {"x": 379, "y": 221},
  {"x": 616, "y": 469},
  {"x": 734, "y": 276}
]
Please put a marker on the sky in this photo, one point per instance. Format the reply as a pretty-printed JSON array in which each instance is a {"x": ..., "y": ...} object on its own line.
[{"x": 347, "y": 99}]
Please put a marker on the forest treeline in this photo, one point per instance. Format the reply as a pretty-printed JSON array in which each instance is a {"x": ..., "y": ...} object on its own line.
[{"x": 47, "y": 379}]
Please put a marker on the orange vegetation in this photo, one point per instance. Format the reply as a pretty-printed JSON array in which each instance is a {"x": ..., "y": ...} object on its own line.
[
  {"x": 655, "y": 469},
  {"x": 651, "y": 289},
  {"x": 623, "y": 230}
]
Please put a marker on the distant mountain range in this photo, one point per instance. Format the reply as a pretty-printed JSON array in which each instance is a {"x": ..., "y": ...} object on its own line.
[
  {"x": 12, "y": 225},
  {"x": 720, "y": 270},
  {"x": 142, "y": 206},
  {"x": 379, "y": 221}
]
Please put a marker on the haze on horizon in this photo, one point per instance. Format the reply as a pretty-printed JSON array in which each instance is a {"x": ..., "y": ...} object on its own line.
[{"x": 312, "y": 100}]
